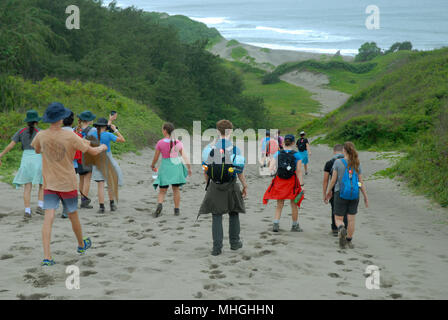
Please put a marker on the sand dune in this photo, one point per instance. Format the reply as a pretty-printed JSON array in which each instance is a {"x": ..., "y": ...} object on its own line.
[{"x": 135, "y": 256}]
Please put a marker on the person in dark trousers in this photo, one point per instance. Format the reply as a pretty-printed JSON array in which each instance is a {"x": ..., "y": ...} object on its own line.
[
  {"x": 328, "y": 170},
  {"x": 222, "y": 164}
]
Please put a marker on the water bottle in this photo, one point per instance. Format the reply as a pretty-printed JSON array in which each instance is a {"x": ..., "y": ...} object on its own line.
[{"x": 155, "y": 175}]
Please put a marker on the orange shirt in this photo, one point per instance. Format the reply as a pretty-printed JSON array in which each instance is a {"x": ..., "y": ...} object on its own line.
[{"x": 58, "y": 148}]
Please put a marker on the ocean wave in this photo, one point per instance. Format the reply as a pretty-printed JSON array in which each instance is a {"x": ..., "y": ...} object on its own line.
[
  {"x": 346, "y": 52},
  {"x": 212, "y": 20}
]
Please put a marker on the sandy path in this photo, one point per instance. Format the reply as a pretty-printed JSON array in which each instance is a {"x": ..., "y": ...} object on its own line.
[
  {"x": 135, "y": 256},
  {"x": 315, "y": 82}
]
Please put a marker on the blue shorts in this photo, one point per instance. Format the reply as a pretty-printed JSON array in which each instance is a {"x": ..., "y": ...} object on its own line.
[
  {"x": 304, "y": 156},
  {"x": 69, "y": 200}
]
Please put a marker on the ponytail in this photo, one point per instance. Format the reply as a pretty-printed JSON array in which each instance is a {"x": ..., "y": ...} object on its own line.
[
  {"x": 353, "y": 160},
  {"x": 31, "y": 128},
  {"x": 169, "y": 128}
]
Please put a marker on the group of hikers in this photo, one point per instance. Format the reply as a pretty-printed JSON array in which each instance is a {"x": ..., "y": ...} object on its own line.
[{"x": 52, "y": 158}]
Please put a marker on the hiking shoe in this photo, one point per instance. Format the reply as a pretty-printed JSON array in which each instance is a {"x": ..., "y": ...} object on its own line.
[
  {"x": 350, "y": 245},
  {"x": 296, "y": 228},
  {"x": 216, "y": 252},
  {"x": 87, "y": 245},
  {"x": 85, "y": 204},
  {"x": 40, "y": 211},
  {"x": 113, "y": 207},
  {"x": 342, "y": 237},
  {"x": 276, "y": 227},
  {"x": 101, "y": 210},
  {"x": 158, "y": 211},
  {"x": 48, "y": 262},
  {"x": 176, "y": 211},
  {"x": 334, "y": 232},
  {"x": 64, "y": 216},
  {"x": 27, "y": 215},
  {"x": 236, "y": 246},
  {"x": 306, "y": 173}
]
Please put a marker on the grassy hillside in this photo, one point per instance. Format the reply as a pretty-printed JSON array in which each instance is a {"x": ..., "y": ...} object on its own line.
[
  {"x": 405, "y": 108},
  {"x": 288, "y": 105},
  {"x": 139, "y": 125}
]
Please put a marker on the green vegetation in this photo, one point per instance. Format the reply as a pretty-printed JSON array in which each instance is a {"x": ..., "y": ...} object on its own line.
[
  {"x": 139, "y": 125},
  {"x": 238, "y": 53},
  {"x": 367, "y": 52},
  {"x": 265, "y": 50},
  {"x": 232, "y": 43},
  {"x": 136, "y": 53},
  {"x": 406, "y": 108},
  {"x": 288, "y": 105}
]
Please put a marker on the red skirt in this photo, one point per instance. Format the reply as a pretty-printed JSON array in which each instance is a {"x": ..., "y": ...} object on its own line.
[{"x": 284, "y": 189}]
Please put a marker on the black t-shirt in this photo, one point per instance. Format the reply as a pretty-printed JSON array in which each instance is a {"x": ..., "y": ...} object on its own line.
[
  {"x": 301, "y": 144},
  {"x": 329, "y": 165}
]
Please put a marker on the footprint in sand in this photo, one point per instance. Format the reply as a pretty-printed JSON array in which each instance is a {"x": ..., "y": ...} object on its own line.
[
  {"x": 395, "y": 296},
  {"x": 339, "y": 262},
  {"x": 180, "y": 228},
  {"x": 40, "y": 280},
  {"x": 264, "y": 253},
  {"x": 101, "y": 254},
  {"x": 333, "y": 275},
  {"x": 6, "y": 256},
  {"x": 347, "y": 294},
  {"x": 89, "y": 263},
  {"x": 34, "y": 296},
  {"x": 87, "y": 273},
  {"x": 198, "y": 295},
  {"x": 166, "y": 261}
]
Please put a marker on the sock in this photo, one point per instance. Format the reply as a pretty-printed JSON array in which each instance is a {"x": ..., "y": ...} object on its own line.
[
  {"x": 28, "y": 210},
  {"x": 83, "y": 198},
  {"x": 349, "y": 239},
  {"x": 294, "y": 223},
  {"x": 40, "y": 204},
  {"x": 102, "y": 205},
  {"x": 277, "y": 221}
]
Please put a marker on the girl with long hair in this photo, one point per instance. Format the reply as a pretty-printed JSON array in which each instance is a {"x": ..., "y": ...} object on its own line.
[
  {"x": 30, "y": 171},
  {"x": 348, "y": 167},
  {"x": 172, "y": 171}
]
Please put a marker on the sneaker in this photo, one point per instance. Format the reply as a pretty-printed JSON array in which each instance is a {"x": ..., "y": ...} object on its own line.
[
  {"x": 158, "y": 211},
  {"x": 334, "y": 232},
  {"x": 64, "y": 216},
  {"x": 350, "y": 245},
  {"x": 48, "y": 262},
  {"x": 27, "y": 215},
  {"x": 87, "y": 245},
  {"x": 216, "y": 252},
  {"x": 237, "y": 246},
  {"x": 40, "y": 211},
  {"x": 342, "y": 237},
  {"x": 296, "y": 228},
  {"x": 176, "y": 211},
  {"x": 101, "y": 210},
  {"x": 276, "y": 227},
  {"x": 306, "y": 173},
  {"x": 85, "y": 204},
  {"x": 113, "y": 207}
]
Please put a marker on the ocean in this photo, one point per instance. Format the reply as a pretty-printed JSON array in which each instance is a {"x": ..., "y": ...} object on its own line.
[{"x": 324, "y": 26}]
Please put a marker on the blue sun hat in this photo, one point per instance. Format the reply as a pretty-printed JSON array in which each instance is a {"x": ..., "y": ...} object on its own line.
[
  {"x": 55, "y": 112},
  {"x": 290, "y": 137},
  {"x": 87, "y": 116}
]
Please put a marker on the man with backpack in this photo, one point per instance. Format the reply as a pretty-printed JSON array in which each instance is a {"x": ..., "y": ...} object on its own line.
[
  {"x": 347, "y": 180},
  {"x": 303, "y": 146},
  {"x": 287, "y": 183},
  {"x": 328, "y": 171},
  {"x": 222, "y": 165}
]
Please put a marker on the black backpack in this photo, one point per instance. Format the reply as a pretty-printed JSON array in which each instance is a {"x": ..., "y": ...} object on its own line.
[
  {"x": 220, "y": 165},
  {"x": 286, "y": 164},
  {"x": 301, "y": 144}
]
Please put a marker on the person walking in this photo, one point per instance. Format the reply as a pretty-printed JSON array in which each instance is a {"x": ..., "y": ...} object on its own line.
[
  {"x": 348, "y": 181},
  {"x": 58, "y": 148},
  {"x": 223, "y": 163},
  {"x": 172, "y": 171},
  {"x": 106, "y": 137},
  {"x": 287, "y": 183},
  {"x": 328, "y": 171},
  {"x": 303, "y": 146},
  {"x": 30, "y": 170}
]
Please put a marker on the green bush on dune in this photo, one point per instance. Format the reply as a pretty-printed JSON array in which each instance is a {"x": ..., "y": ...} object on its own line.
[{"x": 405, "y": 109}]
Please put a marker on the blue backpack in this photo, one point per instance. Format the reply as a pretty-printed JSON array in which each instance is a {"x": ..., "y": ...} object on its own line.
[{"x": 349, "y": 189}]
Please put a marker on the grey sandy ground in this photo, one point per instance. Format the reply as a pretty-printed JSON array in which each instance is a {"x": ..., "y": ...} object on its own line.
[{"x": 135, "y": 256}]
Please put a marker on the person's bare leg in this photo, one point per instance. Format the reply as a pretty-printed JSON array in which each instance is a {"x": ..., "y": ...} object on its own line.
[
  {"x": 351, "y": 225},
  {"x": 162, "y": 194},
  {"x": 40, "y": 194},
  {"x": 278, "y": 210},
  {"x": 306, "y": 167},
  {"x": 46, "y": 232},
  {"x": 295, "y": 211},
  {"x": 101, "y": 192},
  {"x": 110, "y": 193},
  {"x": 81, "y": 184},
  {"x": 87, "y": 179},
  {"x": 176, "y": 196},
  {"x": 339, "y": 221},
  {"x": 27, "y": 195},
  {"x": 76, "y": 226}
]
